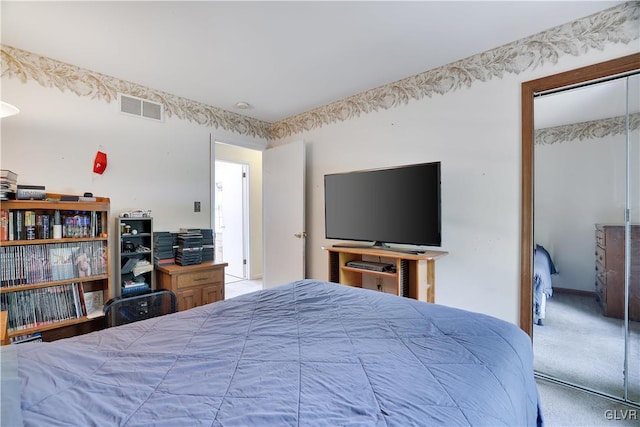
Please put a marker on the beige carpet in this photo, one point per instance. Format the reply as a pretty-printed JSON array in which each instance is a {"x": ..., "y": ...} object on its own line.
[
  {"x": 565, "y": 407},
  {"x": 578, "y": 344}
]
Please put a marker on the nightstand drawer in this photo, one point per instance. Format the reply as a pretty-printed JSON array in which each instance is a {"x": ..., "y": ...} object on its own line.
[{"x": 196, "y": 278}]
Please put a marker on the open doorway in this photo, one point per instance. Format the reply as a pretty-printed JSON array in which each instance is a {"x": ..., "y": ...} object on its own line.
[
  {"x": 252, "y": 234},
  {"x": 231, "y": 218}
]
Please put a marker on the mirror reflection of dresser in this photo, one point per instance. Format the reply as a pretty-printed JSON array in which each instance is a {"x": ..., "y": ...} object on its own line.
[{"x": 610, "y": 271}]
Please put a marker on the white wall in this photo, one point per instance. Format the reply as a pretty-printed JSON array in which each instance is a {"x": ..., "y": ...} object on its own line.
[
  {"x": 253, "y": 158},
  {"x": 475, "y": 133}
]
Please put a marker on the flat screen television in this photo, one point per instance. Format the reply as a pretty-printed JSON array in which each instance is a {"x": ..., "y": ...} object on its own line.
[{"x": 398, "y": 205}]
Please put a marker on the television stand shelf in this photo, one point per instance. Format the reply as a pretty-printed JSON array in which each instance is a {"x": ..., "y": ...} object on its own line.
[{"x": 414, "y": 276}]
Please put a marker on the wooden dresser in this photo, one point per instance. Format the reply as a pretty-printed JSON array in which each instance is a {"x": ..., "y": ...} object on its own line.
[
  {"x": 610, "y": 270},
  {"x": 194, "y": 285}
]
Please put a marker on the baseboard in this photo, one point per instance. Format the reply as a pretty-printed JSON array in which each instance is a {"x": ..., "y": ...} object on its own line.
[{"x": 574, "y": 292}]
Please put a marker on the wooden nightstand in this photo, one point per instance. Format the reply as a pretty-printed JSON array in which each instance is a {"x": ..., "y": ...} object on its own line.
[{"x": 194, "y": 285}]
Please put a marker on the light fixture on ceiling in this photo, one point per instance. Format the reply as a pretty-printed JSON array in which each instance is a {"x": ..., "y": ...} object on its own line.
[
  {"x": 7, "y": 109},
  {"x": 241, "y": 105}
]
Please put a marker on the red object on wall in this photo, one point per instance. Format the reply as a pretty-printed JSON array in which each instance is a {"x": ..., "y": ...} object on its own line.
[{"x": 100, "y": 162}]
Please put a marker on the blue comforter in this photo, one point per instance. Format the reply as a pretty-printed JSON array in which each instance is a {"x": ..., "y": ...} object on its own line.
[
  {"x": 304, "y": 354},
  {"x": 543, "y": 268}
]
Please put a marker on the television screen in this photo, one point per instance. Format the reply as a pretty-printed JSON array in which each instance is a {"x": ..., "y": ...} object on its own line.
[{"x": 394, "y": 205}]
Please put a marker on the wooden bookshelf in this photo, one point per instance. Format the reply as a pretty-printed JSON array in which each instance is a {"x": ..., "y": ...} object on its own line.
[
  {"x": 43, "y": 279},
  {"x": 4, "y": 333}
]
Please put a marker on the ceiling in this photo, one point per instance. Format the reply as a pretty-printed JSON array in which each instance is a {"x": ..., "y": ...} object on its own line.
[{"x": 283, "y": 58}]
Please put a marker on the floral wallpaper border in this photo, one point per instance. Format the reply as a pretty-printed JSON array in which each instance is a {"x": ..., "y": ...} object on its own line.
[
  {"x": 586, "y": 130},
  {"x": 18, "y": 63},
  {"x": 620, "y": 24}
]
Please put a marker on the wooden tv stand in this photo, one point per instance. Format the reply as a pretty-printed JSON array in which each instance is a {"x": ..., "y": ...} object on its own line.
[{"x": 414, "y": 276}]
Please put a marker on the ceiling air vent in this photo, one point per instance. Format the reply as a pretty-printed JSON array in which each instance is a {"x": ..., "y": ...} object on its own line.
[{"x": 140, "y": 107}]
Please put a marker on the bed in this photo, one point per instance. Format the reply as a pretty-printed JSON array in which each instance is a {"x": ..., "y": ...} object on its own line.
[
  {"x": 543, "y": 269},
  {"x": 308, "y": 353}
]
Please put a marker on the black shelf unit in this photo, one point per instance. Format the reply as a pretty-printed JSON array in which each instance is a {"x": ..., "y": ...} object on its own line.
[{"x": 134, "y": 267}]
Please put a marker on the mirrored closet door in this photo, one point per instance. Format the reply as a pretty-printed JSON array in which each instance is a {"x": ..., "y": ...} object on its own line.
[{"x": 586, "y": 234}]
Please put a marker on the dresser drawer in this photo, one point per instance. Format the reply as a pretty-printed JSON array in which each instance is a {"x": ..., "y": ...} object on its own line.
[
  {"x": 600, "y": 273},
  {"x": 600, "y": 237},
  {"x": 195, "y": 278},
  {"x": 600, "y": 255}
]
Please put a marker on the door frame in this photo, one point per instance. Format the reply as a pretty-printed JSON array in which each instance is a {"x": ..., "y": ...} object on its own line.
[
  {"x": 529, "y": 89},
  {"x": 215, "y": 138}
]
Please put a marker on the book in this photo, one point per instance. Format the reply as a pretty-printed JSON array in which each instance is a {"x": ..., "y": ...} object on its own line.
[
  {"x": 78, "y": 299},
  {"x": 30, "y": 225},
  {"x": 142, "y": 266},
  {"x": 94, "y": 303},
  {"x": 61, "y": 262},
  {"x": 9, "y": 175},
  {"x": 135, "y": 288},
  {"x": 128, "y": 265},
  {"x": 90, "y": 259},
  {"x": 82, "y": 261},
  {"x": 7, "y": 190},
  {"x": 19, "y": 225},
  {"x": 21, "y": 339},
  {"x": 43, "y": 226},
  {"x": 4, "y": 224}
]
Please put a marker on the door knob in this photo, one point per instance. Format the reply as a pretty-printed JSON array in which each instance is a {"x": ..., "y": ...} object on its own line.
[{"x": 301, "y": 235}]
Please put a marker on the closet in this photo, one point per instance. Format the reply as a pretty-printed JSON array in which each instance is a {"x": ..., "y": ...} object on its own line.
[{"x": 581, "y": 169}]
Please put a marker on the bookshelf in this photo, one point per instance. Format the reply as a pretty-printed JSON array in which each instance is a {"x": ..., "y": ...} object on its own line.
[
  {"x": 45, "y": 282},
  {"x": 134, "y": 270}
]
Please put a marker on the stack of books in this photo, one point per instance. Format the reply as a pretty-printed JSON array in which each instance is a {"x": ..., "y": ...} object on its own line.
[
  {"x": 142, "y": 266},
  {"x": 174, "y": 236},
  {"x": 8, "y": 184},
  {"x": 132, "y": 287},
  {"x": 189, "y": 248},
  {"x": 21, "y": 339},
  {"x": 127, "y": 265},
  {"x": 208, "y": 253},
  {"x": 163, "y": 248}
]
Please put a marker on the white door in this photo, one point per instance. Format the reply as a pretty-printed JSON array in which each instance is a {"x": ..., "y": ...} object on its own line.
[
  {"x": 230, "y": 197},
  {"x": 283, "y": 170}
]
